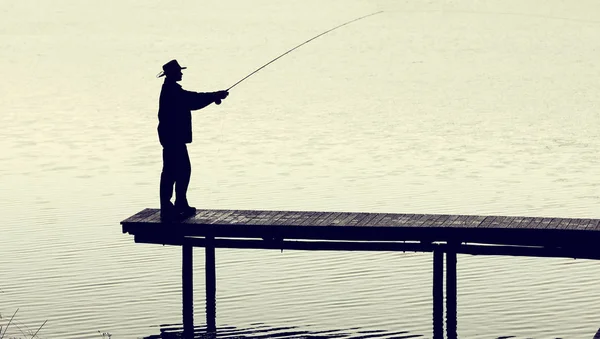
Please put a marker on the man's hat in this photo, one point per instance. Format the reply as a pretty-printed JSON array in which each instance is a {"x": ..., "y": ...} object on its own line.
[{"x": 170, "y": 67}]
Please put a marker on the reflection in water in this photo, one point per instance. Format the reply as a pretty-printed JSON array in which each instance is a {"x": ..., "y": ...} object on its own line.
[
  {"x": 189, "y": 331},
  {"x": 264, "y": 331}
]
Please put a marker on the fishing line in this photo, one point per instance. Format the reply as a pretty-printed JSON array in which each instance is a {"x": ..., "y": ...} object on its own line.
[
  {"x": 304, "y": 43},
  {"x": 218, "y": 102}
]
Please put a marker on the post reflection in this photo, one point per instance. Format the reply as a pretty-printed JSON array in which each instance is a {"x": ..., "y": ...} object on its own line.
[{"x": 263, "y": 331}]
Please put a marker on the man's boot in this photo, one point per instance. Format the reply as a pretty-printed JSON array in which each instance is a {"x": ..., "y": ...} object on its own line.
[
  {"x": 168, "y": 213},
  {"x": 184, "y": 209}
]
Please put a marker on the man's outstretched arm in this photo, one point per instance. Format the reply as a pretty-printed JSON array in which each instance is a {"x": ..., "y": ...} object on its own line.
[{"x": 198, "y": 100}]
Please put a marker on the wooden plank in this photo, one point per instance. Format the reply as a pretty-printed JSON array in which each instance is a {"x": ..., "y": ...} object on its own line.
[
  {"x": 248, "y": 215},
  {"x": 544, "y": 223},
  {"x": 554, "y": 223},
  {"x": 200, "y": 214},
  {"x": 264, "y": 218},
  {"x": 474, "y": 221},
  {"x": 572, "y": 223},
  {"x": 230, "y": 217},
  {"x": 206, "y": 219},
  {"x": 360, "y": 217},
  {"x": 275, "y": 219},
  {"x": 294, "y": 218},
  {"x": 510, "y": 223},
  {"x": 240, "y": 218},
  {"x": 310, "y": 221},
  {"x": 578, "y": 224},
  {"x": 588, "y": 224},
  {"x": 224, "y": 217},
  {"x": 261, "y": 217},
  {"x": 419, "y": 220},
  {"x": 401, "y": 220},
  {"x": 152, "y": 218},
  {"x": 593, "y": 226},
  {"x": 255, "y": 217},
  {"x": 520, "y": 222},
  {"x": 439, "y": 221},
  {"x": 342, "y": 219},
  {"x": 328, "y": 221},
  {"x": 487, "y": 221},
  {"x": 535, "y": 223},
  {"x": 405, "y": 220},
  {"x": 431, "y": 219},
  {"x": 149, "y": 213},
  {"x": 139, "y": 216},
  {"x": 526, "y": 222},
  {"x": 367, "y": 220},
  {"x": 202, "y": 217},
  {"x": 502, "y": 222},
  {"x": 458, "y": 221},
  {"x": 471, "y": 221},
  {"x": 374, "y": 220},
  {"x": 563, "y": 224},
  {"x": 448, "y": 222},
  {"x": 397, "y": 220},
  {"x": 428, "y": 219},
  {"x": 305, "y": 221},
  {"x": 384, "y": 221},
  {"x": 320, "y": 218}
]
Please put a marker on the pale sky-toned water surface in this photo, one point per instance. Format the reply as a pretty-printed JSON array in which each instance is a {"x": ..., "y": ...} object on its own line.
[{"x": 459, "y": 107}]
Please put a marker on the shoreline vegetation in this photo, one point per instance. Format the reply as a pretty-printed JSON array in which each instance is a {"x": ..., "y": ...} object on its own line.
[{"x": 25, "y": 332}]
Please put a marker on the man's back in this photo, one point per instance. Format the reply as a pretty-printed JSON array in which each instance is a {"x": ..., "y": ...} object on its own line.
[{"x": 174, "y": 115}]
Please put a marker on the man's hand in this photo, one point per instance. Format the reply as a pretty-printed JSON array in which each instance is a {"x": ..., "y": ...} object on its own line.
[{"x": 220, "y": 95}]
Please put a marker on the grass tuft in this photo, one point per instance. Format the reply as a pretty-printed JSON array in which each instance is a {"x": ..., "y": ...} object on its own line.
[{"x": 21, "y": 328}]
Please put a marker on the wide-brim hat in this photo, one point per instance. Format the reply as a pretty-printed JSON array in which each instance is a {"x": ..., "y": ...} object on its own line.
[{"x": 170, "y": 67}]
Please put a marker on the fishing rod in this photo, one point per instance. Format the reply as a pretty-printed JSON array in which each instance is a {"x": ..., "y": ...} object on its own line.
[{"x": 304, "y": 43}]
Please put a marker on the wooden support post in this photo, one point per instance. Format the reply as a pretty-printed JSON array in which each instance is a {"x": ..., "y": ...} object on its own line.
[
  {"x": 451, "y": 293},
  {"x": 211, "y": 285},
  {"x": 187, "y": 275},
  {"x": 438, "y": 294}
]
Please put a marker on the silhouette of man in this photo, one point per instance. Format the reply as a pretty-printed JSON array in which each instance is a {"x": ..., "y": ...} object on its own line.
[{"x": 174, "y": 132}]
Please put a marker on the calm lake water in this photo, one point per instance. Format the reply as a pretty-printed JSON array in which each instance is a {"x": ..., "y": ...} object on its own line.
[{"x": 459, "y": 107}]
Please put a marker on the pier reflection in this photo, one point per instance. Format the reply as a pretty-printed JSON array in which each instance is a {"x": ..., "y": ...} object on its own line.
[
  {"x": 262, "y": 331},
  {"x": 189, "y": 331}
]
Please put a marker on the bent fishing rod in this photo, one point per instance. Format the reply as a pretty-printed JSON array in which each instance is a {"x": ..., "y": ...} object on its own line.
[{"x": 218, "y": 102}]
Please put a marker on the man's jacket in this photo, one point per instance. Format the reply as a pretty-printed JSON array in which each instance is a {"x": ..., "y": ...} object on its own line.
[{"x": 175, "y": 113}]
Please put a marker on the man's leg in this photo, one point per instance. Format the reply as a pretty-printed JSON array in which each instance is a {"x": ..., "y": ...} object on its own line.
[
  {"x": 167, "y": 180},
  {"x": 182, "y": 181}
]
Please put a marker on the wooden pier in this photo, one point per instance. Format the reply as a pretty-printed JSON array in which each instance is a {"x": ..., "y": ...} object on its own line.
[{"x": 346, "y": 231}]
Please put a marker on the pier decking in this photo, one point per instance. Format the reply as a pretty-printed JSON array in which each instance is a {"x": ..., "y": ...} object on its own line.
[
  {"x": 305, "y": 230},
  {"x": 568, "y": 237}
]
